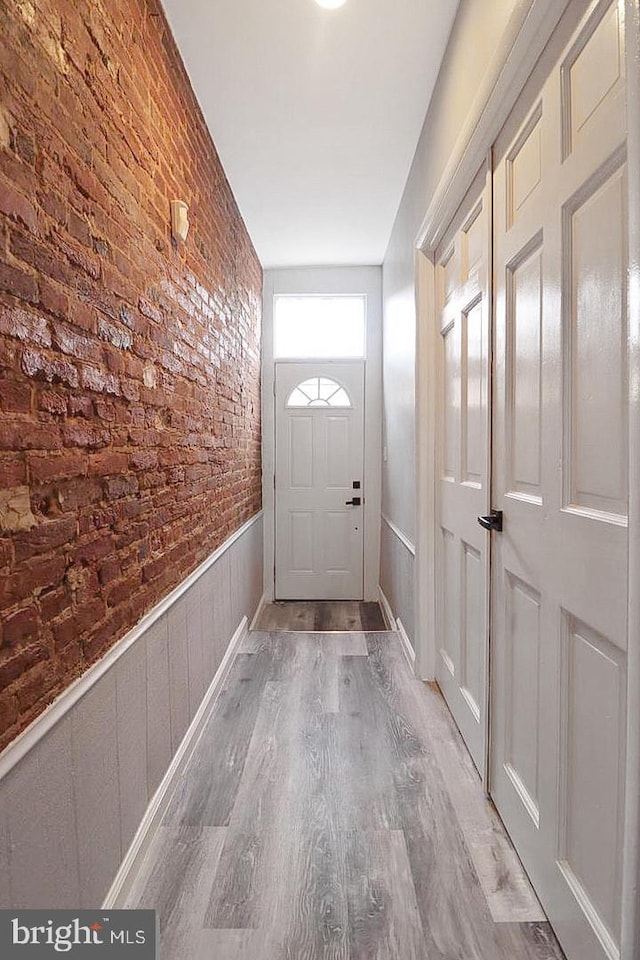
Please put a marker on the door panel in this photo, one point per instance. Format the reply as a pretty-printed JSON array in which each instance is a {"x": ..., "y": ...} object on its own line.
[
  {"x": 522, "y": 693},
  {"x": 338, "y": 439},
  {"x": 474, "y": 407},
  {"x": 319, "y": 454},
  {"x": 463, "y": 488},
  {"x": 592, "y": 738},
  {"x": 300, "y": 529},
  {"x": 524, "y": 374},
  {"x": 301, "y": 453},
  {"x": 595, "y": 348},
  {"x": 559, "y": 570},
  {"x": 472, "y": 664}
]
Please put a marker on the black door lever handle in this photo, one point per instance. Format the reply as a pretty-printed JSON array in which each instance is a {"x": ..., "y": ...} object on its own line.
[
  {"x": 353, "y": 503},
  {"x": 492, "y": 522}
]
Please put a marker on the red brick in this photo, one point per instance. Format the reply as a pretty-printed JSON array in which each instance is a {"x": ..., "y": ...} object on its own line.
[
  {"x": 54, "y": 403},
  {"x": 67, "y": 339},
  {"x": 43, "y": 469},
  {"x": 143, "y": 460},
  {"x": 79, "y": 228},
  {"x": 64, "y": 631},
  {"x": 80, "y": 406},
  {"x": 39, "y": 366},
  {"x": 109, "y": 462},
  {"x": 14, "y": 205},
  {"x": 85, "y": 435},
  {"x": 39, "y": 575},
  {"x": 89, "y": 614},
  {"x": 15, "y": 663},
  {"x": 70, "y": 663},
  {"x": 29, "y": 436},
  {"x": 148, "y": 310},
  {"x": 94, "y": 550},
  {"x": 6, "y": 553},
  {"x": 99, "y": 381},
  {"x": 13, "y": 472},
  {"x": 18, "y": 283},
  {"x": 53, "y": 604},
  {"x": 45, "y": 538},
  {"x": 53, "y": 298},
  {"x": 116, "y": 335},
  {"x": 109, "y": 571},
  {"x": 101, "y": 639},
  {"x": 20, "y": 626},
  {"x": 78, "y": 494},
  {"x": 25, "y": 325},
  {"x": 37, "y": 686},
  {"x": 9, "y": 712},
  {"x": 15, "y": 397},
  {"x": 78, "y": 256},
  {"x": 42, "y": 258},
  {"x": 83, "y": 315},
  {"x": 154, "y": 568},
  {"x": 134, "y": 377},
  {"x": 117, "y": 487}
]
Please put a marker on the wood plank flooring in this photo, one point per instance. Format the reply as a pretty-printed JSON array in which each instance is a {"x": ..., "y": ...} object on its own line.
[
  {"x": 330, "y": 812},
  {"x": 321, "y": 615}
]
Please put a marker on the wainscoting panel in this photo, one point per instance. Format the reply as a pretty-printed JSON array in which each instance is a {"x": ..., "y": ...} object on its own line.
[
  {"x": 131, "y": 709},
  {"x": 41, "y": 819},
  {"x": 397, "y": 559},
  {"x": 74, "y": 787}
]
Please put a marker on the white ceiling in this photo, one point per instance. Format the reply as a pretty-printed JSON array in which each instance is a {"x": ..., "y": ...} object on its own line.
[{"x": 315, "y": 114}]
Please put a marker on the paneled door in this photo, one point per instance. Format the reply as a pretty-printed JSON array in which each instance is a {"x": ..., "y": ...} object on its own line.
[
  {"x": 559, "y": 568},
  {"x": 462, "y": 548},
  {"x": 319, "y": 480}
]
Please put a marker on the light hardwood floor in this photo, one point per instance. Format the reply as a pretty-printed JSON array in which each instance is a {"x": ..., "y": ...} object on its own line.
[
  {"x": 321, "y": 615},
  {"x": 330, "y": 812}
]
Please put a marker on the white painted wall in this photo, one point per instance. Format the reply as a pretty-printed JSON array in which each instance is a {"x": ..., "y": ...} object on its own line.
[{"x": 338, "y": 281}]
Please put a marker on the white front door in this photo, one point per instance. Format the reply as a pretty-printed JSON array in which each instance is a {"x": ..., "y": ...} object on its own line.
[
  {"x": 462, "y": 547},
  {"x": 319, "y": 472},
  {"x": 559, "y": 568}
]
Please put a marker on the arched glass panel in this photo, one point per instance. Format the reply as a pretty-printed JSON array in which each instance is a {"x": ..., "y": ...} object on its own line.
[{"x": 319, "y": 392}]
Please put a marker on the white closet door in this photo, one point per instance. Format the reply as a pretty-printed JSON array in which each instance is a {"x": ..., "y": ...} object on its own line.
[
  {"x": 559, "y": 568},
  {"x": 462, "y": 553}
]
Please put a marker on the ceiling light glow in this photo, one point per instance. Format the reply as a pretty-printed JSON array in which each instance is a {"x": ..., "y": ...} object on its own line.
[{"x": 331, "y": 4}]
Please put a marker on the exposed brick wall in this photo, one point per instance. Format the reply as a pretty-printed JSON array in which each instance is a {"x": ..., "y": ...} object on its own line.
[{"x": 129, "y": 367}]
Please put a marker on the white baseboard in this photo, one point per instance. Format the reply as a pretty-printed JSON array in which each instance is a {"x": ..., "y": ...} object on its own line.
[
  {"x": 397, "y": 626},
  {"x": 407, "y": 646},
  {"x": 387, "y": 612},
  {"x": 160, "y": 800},
  {"x": 264, "y": 599}
]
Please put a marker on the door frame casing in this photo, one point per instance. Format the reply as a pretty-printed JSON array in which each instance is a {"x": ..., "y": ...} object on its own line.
[
  {"x": 328, "y": 281},
  {"x": 512, "y": 65},
  {"x": 630, "y": 934}
]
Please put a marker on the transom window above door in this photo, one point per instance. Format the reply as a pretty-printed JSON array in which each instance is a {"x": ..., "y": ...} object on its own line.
[
  {"x": 319, "y": 392},
  {"x": 319, "y": 327}
]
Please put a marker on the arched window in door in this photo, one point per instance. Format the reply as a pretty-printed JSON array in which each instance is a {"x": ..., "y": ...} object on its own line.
[{"x": 319, "y": 392}]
